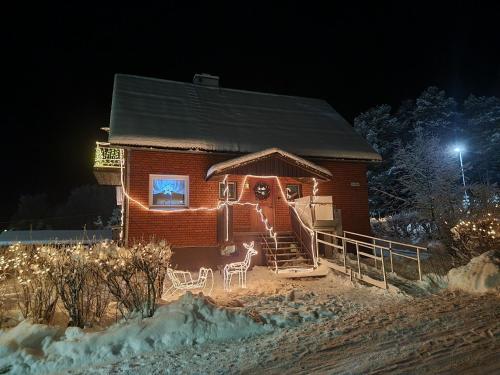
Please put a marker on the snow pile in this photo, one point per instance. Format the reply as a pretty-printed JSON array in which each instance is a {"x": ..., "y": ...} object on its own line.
[
  {"x": 480, "y": 275},
  {"x": 35, "y": 348}
]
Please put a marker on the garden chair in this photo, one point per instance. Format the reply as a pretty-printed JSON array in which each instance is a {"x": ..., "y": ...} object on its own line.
[
  {"x": 239, "y": 268},
  {"x": 183, "y": 280}
]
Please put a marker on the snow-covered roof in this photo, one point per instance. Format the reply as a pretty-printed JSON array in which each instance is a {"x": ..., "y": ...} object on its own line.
[
  {"x": 245, "y": 159},
  {"x": 47, "y": 237},
  {"x": 178, "y": 115}
]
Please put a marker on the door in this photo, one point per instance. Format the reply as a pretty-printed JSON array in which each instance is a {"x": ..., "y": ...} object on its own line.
[{"x": 263, "y": 193}]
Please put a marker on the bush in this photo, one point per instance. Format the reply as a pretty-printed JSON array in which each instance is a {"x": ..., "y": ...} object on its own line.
[
  {"x": 135, "y": 275},
  {"x": 85, "y": 280},
  {"x": 76, "y": 276},
  {"x": 405, "y": 225},
  {"x": 475, "y": 236},
  {"x": 36, "y": 294}
]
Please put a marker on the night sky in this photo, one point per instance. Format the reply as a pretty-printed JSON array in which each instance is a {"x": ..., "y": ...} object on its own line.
[{"x": 61, "y": 60}]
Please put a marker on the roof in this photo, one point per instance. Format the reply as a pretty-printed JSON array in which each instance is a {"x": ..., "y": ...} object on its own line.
[
  {"x": 178, "y": 115},
  {"x": 305, "y": 167},
  {"x": 48, "y": 237}
]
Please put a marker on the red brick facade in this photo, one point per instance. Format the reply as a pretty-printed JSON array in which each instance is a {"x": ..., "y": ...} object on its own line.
[{"x": 348, "y": 189}]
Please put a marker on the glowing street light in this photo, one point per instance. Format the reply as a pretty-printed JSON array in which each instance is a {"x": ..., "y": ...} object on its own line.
[{"x": 459, "y": 149}]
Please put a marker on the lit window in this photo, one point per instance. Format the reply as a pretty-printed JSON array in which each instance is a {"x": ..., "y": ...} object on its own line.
[
  {"x": 231, "y": 190},
  {"x": 168, "y": 191}
]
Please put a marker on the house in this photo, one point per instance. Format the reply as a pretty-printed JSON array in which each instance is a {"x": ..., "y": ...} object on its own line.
[{"x": 206, "y": 167}]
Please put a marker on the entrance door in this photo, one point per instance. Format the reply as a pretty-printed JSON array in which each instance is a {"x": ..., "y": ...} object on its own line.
[{"x": 263, "y": 192}]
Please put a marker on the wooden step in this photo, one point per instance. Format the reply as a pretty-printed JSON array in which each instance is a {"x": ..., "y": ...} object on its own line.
[
  {"x": 279, "y": 242},
  {"x": 285, "y": 254},
  {"x": 297, "y": 266},
  {"x": 294, "y": 260}
]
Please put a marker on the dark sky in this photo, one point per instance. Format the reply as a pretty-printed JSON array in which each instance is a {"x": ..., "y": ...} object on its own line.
[{"x": 61, "y": 60}]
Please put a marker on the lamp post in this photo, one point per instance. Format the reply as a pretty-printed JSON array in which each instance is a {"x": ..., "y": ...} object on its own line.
[{"x": 459, "y": 150}]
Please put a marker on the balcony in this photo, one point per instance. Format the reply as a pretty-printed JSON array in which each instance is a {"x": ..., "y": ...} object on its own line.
[
  {"x": 107, "y": 157},
  {"x": 107, "y": 164}
]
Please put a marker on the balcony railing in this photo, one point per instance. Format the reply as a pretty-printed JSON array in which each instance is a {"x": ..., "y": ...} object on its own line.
[{"x": 107, "y": 157}]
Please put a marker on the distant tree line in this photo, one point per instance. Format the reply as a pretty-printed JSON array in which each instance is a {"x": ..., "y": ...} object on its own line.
[
  {"x": 89, "y": 206},
  {"x": 420, "y": 177}
]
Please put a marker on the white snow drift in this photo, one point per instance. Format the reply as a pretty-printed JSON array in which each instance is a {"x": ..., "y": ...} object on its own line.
[
  {"x": 480, "y": 275},
  {"x": 35, "y": 348}
]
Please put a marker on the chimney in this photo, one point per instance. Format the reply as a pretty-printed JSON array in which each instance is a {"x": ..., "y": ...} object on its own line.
[{"x": 205, "y": 79}]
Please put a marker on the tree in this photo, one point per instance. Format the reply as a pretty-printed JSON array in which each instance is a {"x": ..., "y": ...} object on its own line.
[
  {"x": 435, "y": 113},
  {"x": 31, "y": 212},
  {"x": 482, "y": 118},
  {"x": 84, "y": 205},
  {"x": 429, "y": 176}
]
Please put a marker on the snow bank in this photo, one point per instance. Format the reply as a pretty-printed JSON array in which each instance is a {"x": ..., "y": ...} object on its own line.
[
  {"x": 480, "y": 275},
  {"x": 35, "y": 348}
]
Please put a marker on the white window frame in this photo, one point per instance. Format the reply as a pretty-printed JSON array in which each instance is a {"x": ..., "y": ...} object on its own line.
[
  {"x": 221, "y": 183},
  {"x": 168, "y": 177}
]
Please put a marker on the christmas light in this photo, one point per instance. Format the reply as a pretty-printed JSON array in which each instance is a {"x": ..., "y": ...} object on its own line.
[
  {"x": 239, "y": 268},
  {"x": 182, "y": 280},
  {"x": 226, "y": 203}
]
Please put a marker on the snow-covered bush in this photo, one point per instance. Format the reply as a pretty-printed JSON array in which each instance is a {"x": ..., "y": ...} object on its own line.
[
  {"x": 135, "y": 275},
  {"x": 35, "y": 292},
  {"x": 405, "y": 225}
]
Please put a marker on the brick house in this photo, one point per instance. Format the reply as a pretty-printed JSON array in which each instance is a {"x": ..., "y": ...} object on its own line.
[{"x": 206, "y": 167}]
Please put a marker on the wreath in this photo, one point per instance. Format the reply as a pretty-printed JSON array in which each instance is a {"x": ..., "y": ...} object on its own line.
[{"x": 261, "y": 190}]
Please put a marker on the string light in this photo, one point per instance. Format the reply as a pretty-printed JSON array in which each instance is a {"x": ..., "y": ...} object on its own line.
[
  {"x": 239, "y": 268},
  {"x": 226, "y": 203}
]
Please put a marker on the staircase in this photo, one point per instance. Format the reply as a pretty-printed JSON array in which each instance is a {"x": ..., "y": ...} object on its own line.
[{"x": 289, "y": 256}]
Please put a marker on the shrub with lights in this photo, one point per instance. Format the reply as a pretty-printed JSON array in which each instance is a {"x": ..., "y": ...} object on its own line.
[
  {"x": 83, "y": 281},
  {"x": 472, "y": 237}
]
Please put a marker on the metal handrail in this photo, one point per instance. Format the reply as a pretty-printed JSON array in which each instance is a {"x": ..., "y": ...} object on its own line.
[
  {"x": 391, "y": 250},
  {"x": 298, "y": 234},
  {"x": 358, "y": 244},
  {"x": 385, "y": 240},
  {"x": 272, "y": 252}
]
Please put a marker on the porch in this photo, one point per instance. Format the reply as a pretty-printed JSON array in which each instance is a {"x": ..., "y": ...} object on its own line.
[{"x": 270, "y": 197}]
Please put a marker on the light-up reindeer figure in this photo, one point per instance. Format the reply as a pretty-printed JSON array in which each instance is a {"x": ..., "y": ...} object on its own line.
[{"x": 239, "y": 268}]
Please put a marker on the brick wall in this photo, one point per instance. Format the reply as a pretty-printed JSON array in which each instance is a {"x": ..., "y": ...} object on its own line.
[{"x": 200, "y": 228}]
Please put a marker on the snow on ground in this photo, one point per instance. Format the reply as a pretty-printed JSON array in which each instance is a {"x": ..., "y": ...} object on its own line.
[
  {"x": 36, "y": 348},
  {"x": 480, "y": 275},
  {"x": 310, "y": 325}
]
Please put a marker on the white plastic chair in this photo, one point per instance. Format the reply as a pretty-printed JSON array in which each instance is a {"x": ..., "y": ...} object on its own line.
[
  {"x": 182, "y": 280},
  {"x": 239, "y": 268}
]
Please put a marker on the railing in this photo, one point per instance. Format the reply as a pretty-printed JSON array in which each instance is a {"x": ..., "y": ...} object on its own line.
[
  {"x": 305, "y": 236},
  {"x": 394, "y": 248},
  {"x": 273, "y": 252},
  {"x": 377, "y": 248},
  {"x": 107, "y": 157},
  {"x": 340, "y": 243}
]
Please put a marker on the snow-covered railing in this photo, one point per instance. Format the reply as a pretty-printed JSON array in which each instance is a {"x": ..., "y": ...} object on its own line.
[
  {"x": 107, "y": 157},
  {"x": 393, "y": 248}
]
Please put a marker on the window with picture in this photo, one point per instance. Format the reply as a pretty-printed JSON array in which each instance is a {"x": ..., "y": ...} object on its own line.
[
  {"x": 231, "y": 190},
  {"x": 293, "y": 191},
  {"x": 168, "y": 191}
]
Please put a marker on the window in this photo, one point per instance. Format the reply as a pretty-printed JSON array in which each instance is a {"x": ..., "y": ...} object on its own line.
[
  {"x": 168, "y": 191},
  {"x": 232, "y": 191},
  {"x": 293, "y": 191}
]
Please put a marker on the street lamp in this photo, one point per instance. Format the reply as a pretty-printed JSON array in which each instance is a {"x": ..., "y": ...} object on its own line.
[{"x": 459, "y": 150}]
